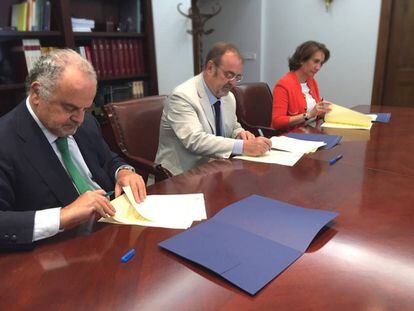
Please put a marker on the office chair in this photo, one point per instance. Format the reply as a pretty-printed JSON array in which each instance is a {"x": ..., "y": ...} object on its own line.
[
  {"x": 254, "y": 107},
  {"x": 136, "y": 125}
]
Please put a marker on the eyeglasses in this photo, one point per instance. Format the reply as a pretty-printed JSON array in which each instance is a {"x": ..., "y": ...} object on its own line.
[{"x": 231, "y": 76}]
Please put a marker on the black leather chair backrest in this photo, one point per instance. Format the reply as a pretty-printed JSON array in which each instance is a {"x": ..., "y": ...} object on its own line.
[{"x": 254, "y": 102}]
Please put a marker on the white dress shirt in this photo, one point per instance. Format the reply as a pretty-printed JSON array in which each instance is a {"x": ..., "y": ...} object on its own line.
[{"x": 310, "y": 101}]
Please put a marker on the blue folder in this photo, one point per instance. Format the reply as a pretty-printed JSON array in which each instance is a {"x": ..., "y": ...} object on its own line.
[
  {"x": 330, "y": 140},
  {"x": 251, "y": 241},
  {"x": 383, "y": 117}
]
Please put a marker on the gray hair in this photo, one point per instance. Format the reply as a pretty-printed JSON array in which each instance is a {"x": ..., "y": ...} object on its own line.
[{"x": 49, "y": 68}]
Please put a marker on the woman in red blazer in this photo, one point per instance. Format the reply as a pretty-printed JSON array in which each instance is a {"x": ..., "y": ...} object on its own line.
[{"x": 296, "y": 97}]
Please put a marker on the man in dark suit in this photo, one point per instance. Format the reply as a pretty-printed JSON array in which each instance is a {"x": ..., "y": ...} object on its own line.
[{"x": 45, "y": 187}]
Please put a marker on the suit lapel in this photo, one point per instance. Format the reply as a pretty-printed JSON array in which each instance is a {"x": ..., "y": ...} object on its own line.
[
  {"x": 205, "y": 103},
  {"x": 40, "y": 154}
]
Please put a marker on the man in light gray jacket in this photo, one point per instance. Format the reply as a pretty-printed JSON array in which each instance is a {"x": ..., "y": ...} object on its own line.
[{"x": 199, "y": 119}]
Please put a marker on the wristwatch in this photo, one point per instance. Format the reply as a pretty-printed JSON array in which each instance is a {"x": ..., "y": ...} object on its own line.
[
  {"x": 305, "y": 117},
  {"x": 124, "y": 167}
]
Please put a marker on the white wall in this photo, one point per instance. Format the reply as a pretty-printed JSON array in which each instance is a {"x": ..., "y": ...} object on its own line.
[
  {"x": 274, "y": 28},
  {"x": 239, "y": 22},
  {"x": 350, "y": 31},
  {"x": 173, "y": 45}
]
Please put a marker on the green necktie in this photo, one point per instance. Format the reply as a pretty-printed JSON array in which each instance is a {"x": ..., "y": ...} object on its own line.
[{"x": 78, "y": 180}]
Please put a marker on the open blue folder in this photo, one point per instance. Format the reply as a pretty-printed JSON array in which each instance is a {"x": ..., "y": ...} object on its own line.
[
  {"x": 330, "y": 140},
  {"x": 252, "y": 241},
  {"x": 383, "y": 117}
]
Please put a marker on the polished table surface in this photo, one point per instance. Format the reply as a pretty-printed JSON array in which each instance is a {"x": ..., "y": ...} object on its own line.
[{"x": 364, "y": 260}]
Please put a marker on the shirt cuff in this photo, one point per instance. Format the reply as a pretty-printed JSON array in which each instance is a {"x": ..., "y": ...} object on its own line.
[
  {"x": 46, "y": 223},
  {"x": 123, "y": 167},
  {"x": 238, "y": 147}
]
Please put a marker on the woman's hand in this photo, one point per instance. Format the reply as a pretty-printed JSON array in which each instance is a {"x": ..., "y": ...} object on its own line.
[{"x": 320, "y": 109}]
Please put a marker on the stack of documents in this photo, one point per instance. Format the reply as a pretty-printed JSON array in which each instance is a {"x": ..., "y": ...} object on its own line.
[
  {"x": 285, "y": 151},
  {"x": 330, "y": 140},
  {"x": 251, "y": 241},
  {"x": 177, "y": 211},
  {"x": 341, "y": 117},
  {"x": 275, "y": 157},
  {"x": 295, "y": 145}
]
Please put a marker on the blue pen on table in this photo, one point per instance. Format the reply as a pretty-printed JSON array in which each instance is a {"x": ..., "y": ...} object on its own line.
[
  {"x": 128, "y": 255},
  {"x": 260, "y": 132},
  {"x": 336, "y": 159}
]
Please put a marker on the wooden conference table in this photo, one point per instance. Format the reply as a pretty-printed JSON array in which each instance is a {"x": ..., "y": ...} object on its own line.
[{"x": 363, "y": 261}]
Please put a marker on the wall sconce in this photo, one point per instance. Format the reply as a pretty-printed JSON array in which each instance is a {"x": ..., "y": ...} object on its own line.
[{"x": 328, "y": 4}]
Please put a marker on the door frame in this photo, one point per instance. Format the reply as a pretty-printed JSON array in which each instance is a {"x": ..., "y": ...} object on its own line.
[{"x": 382, "y": 52}]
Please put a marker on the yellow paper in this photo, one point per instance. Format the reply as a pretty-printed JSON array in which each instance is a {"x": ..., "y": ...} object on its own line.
[
  {"x": 167, "y": 211},
  {"x": 341, "y": 117},
  {"x": 125, "y": 213}
]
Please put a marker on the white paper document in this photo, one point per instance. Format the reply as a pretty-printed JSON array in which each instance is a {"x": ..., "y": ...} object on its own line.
[
  {"x": 275, "y": 157},
  {"x": 295, "y": 145},
  {"x": 177, "y": 211}
]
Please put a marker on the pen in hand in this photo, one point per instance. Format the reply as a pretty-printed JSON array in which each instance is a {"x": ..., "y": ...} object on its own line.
[
  {"x": 109, "y": 193},
  {"x": 260, "y": 132}
]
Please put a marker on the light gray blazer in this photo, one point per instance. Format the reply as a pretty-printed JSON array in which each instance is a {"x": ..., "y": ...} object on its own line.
[{"x": 187, "y": 129}]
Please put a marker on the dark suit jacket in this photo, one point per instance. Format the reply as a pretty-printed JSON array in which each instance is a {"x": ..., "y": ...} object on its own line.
[{"x": 32, "y": 177}]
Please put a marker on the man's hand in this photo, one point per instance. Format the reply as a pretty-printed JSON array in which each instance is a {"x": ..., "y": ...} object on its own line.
[
  {"x": 129, "y": 178},
  {"x": 257, "y": 146},
  {"x": 89, "y": 204},
  {"x": 245, "y": 135}
]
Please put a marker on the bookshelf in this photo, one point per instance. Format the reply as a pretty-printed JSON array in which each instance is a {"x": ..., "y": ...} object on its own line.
[{"x": 105, "y": 13}]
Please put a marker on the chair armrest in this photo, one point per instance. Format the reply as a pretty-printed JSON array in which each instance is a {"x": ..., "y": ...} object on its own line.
[
  {"x": 149, "y": 167},
  {"x": 267, "y": 131}
]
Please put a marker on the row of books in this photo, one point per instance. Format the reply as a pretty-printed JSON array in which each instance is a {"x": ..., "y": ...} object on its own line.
[
  {"x": 120, "y": 92},
  {"x": 117, "y": 92},
  {"x": 31, "y": 15},
  {"x": 115, "y": 57},
  {"x": 110, "y": 58}
]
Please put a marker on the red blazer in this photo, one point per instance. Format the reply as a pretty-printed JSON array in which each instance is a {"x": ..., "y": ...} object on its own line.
[{"x": 288, "y": 99}]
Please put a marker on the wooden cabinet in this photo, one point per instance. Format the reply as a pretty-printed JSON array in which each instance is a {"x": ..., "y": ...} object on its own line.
[{"x": 109, "y": 25}]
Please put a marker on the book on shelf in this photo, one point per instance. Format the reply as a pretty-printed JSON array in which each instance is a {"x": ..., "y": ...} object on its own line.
[
  {"x": 121, "y": 57},
  {"x": 127, "y": 58},
  {"x": 82, "y": 24},
  {"x": 108, "y": 57},
  {"x": 101, "y": 58},
  {"x": 95, "y": 57},
  {"x": 46, "y": 16},
  {"x": 115, "y": 57},
  {"x": 138, "y": 89},
  {"x": 32, "y": 52}
]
